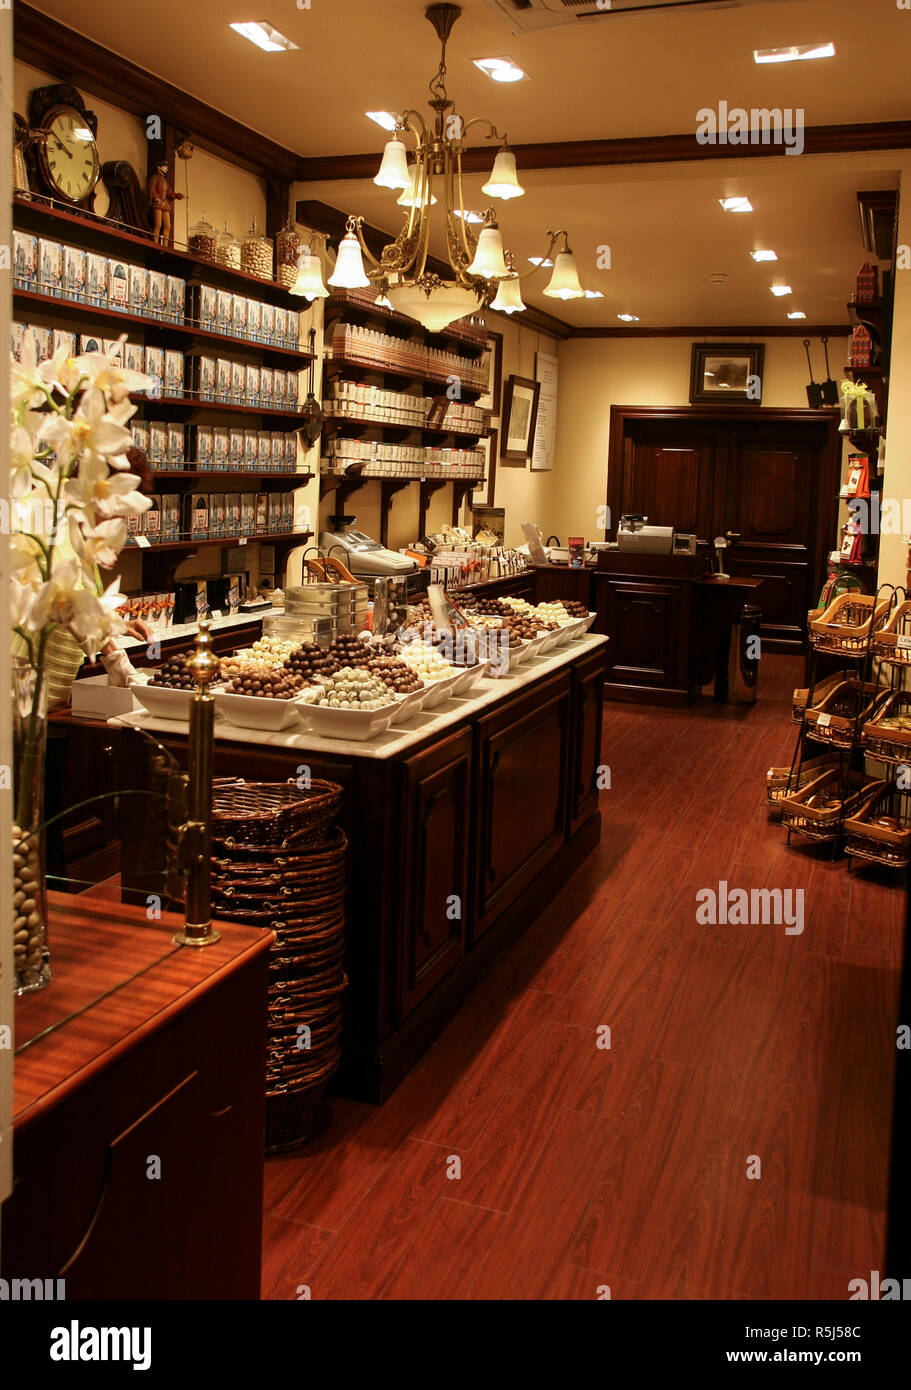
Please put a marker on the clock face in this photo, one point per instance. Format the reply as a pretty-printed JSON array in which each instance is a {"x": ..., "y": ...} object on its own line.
[{"x": 70, "y": 154}]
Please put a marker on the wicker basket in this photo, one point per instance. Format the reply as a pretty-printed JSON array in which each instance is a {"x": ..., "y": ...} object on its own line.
[
  {"x": 818, "y": 810},
  {"x": 840, "y": 716},
  {"x": 879, "y": 741},
  {"x": 846, "y": 624},
  {"x": 892, "y": 642},
  {"x": 820, "y": 691},
  {"x": 778, "y": 779},
  {"x": 279, "y": 864},
  {"x": 881, "y": 844}
]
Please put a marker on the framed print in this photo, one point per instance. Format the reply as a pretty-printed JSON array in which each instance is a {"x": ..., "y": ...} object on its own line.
[
  {"x": 492, "y": 361},
  {"x": 520, "y": 415},
  {"x": 483, "y": 494},
  {"x": 723, "y": 373}
]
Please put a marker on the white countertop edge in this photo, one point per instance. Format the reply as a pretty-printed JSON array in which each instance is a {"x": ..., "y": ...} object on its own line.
[{"x": 391, "y": 743}]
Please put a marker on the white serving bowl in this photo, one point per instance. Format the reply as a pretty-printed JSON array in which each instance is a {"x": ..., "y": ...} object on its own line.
[
  {"x": 549, "y": 641},
  {"x": 164, "y": 702},
  {"x": 465, "y": 680},
  {"x": 257, "y": 712},
  {"x": 358, "y": 724},
  {"x": 441, "y": 689}
]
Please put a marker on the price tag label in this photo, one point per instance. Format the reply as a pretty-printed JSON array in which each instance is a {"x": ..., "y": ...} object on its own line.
[
  {"x": 216, "y": 613},
  {"x": 142, "y": 542},
  {"x": 903, "y": 643},
  {"x": 824, "y": 720},
  {"x": 241, "y": 540}
]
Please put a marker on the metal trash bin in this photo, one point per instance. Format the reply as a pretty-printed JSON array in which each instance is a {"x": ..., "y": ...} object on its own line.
[{"x": 743, "y": 670}]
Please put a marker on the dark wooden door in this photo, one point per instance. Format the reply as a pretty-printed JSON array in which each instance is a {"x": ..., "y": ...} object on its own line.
[{"x": 770, "y": 476}]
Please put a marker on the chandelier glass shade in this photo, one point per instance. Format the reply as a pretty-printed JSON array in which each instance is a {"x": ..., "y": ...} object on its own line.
[{"x": 477, "y": 272}]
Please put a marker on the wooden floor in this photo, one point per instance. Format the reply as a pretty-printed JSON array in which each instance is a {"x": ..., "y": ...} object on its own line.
[{"x": 520, "y": 1160}]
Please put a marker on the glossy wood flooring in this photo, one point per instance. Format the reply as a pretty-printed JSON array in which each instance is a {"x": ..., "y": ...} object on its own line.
[{"x": 581, "y": 1166}]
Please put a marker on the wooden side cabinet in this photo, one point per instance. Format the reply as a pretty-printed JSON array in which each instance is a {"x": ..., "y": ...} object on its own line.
[
  {"x": 435, "y": 871},
  {"x": 523, "y": 753},
  {"x": 585, "y": 755}
]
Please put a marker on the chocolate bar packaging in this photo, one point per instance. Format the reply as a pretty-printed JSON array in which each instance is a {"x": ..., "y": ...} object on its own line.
[
  {"x": 205, "y": 378},
  {"x": 223, "y": 379},
  {"x": 232, "y": 514},
  {"x": 277, "y": 463},
  {"x": 274, "y": 511},
  {"x": 173, "y": 373},
  {"x": 251, "y": 450},
  {"x": 254, "y": 320},
  {"x": 16, "y": 334},
  {"x": 224, "y": 311},
  {"x": 291, "y": 391},
  {"x": 118, "y": 285},
  {"x": 158, "y": 294},
  {"x": 158, "y": 443},
  {"x": 266, "y": 376},
  {"x": 290, "y": 453},
  {"x": 134, "y": 357},
  {"x": 238, "y": 382},
  {"x": 175, "y": 445},
  {"x": 198, "y": 515},
  {"x": 62, "y": 341},
  {"x": 75, "y": 266},
  {"x": 279, "y": 387},
  {"x": 221, "y": 458},
  {"x": 151, "y": 521},
  {"x": 264, "y": 451},
  {"x": 170, "y": 516},
  {"x": 248, "y": 513},
  {"x": 217, "y": 514},
  {"x": 262, "y": 514},
  {"x": 236, "y": 448},
  {"x": 176, "y": 298},
  {"x": 281, "y": 326},
  {"x": 140, "y": 432},
  {"x": 25, "y": 261},
  {"x": 96, "y": 280},
  {"x": 44, "y": 337},
  {"x": 50, "y": 267},
  {"x": 287, "y": 517},
  {"x": 251, "y": 389},
  {"x": 139, "y": 290},
  {"x": 113, "y": 348},
  {"x": 204, "y": 447},
  {"x": 155, "y": 369},
  {"x": 239, "y": 316},
  {"x": 267, "y": 322},
  {"x": 206, "y": 297}
]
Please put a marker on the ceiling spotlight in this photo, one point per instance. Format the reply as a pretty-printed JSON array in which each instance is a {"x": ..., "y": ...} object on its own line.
[
  {"x": 500, "y": 69},
  {"x": 387, "y": 119},
  {"x": 736, "y": 204},
  {"x": 629, "y": 318},
  {"x": 468, "y": 215},
  {"x": 764, "y": 255},
  {"x": 797, "y": 53},
  {"x": 779, "y": 290},
  {"x": 796, "y": 314},
  {"x": 264, "y": 35},
  {"x": 540, "y": 260},
  {"x": 593, "y": 294}
]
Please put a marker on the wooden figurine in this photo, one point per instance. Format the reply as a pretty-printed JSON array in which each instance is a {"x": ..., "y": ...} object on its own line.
[{"x": 161, "y": 204}]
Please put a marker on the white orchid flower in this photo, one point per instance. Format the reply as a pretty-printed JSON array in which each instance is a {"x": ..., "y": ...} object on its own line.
[
  {"x": 27, "y": 385},
  {"x": 95, "y": 618},
  {"x": 98, "y": 545},
  {"x": 94, "y": 490},
  {"x": 107, "y": 374},
  {"x": 22, "y": 597},
  {"x": 21, "y": 459},
  {"x": 93, "y": 431}
]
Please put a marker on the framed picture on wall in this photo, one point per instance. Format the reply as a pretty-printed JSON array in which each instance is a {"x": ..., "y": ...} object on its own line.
[
  {"x": 483, "y": 494},
  {"x": 492, "y": 362},
  {"x": 520, "y": 415},
  {"x": 726, "y": 373}
]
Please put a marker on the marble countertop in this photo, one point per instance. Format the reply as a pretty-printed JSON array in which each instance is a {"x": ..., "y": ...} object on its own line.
[{"x": 397, "y": 740}]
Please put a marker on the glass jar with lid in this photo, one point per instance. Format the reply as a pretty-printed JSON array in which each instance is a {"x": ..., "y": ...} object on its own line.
[
  {"x": 287, "y": 250},
  {"x": 227, "y": 249},
  {"x": 202, "y": 239},
  {"x": 256, "y": 254}
]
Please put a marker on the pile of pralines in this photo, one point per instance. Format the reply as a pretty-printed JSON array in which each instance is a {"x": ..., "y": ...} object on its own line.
[
  {"x": 268, "y": 682},
  {"x": 174, "y": 675},
  {"x": 311, "y": 660}
]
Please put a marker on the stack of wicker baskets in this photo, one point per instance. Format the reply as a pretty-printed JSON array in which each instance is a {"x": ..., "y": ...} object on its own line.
[{"x": 278, "y": 862}]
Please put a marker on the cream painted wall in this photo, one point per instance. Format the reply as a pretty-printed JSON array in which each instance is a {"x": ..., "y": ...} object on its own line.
[
  {"x": 120, "y": 136},
  {"x": 893, "y": 552},
  {"x": 596, "y": 373}
]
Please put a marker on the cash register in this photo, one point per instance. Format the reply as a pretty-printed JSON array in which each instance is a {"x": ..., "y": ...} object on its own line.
[{"x": 363, "y": 556}]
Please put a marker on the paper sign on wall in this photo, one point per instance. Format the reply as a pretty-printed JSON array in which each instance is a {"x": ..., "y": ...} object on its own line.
[{"x": 542, "y": 458}]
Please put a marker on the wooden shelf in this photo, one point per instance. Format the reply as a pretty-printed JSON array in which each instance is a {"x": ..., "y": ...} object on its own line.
[
  {"x": 267, "y": 538},
  {"x": 193, "y": 475},
  {"x": 352, "y": 364},
  {"x": 192, "y": 403},
  {"x": 36, "y": 215},
  {"x": 438, "y": 431},
  {"x": 75, "y": 309}
]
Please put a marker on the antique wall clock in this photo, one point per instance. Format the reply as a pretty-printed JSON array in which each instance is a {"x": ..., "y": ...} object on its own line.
[{"x": 63, "y": 139}]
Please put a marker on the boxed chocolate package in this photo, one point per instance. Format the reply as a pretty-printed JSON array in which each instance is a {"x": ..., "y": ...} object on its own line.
[
  {"x": 264, "y": 451},
  {"x": 251, "y": 388},
  {"x": 16, "y": 334},
  {"x": 204, "y": 447},
  {"x": 173, "y": 373},
  {"x": 155, "y": 369},
  {"x": 113, "y": 349},
  {"x": 236, "y": 448},
  {"x": 290, "y": 453},
  {"x": 62, "y": 341},
  {"x": 254, "y": 320},
  {"x": 281, "y": 326},
  {"x": 158, "y": 443},
  {"x": 134, "y": 357},
  {"x": 223, "y": 379},
  {"x": 176, "y": 298},
  {"x": 175, "y": 445},
  {"x": 279, "y": 387},
  {"x": 232, "y": 514},
  {"x": 170, "y": 516},
  {"x": 248, "y": 513},
  {"x": 291, "y": 401},
  {"x": 267, "y": 323},
  {"x": 205, "y": 299},
  {"x": 262, "y": 514},
  {"x": 205, "y": 385},
  {"x": 239, "y": 316},
  {"x": 277, "y": 463},
  {"x": 197, "y": 520},
  {"x": 140, "y": 432},
  {"x": 139, "y": 290},
  {"x": 238, "y": 382},
  {"x": 158, "y": 294},
  {"x": 224, "y": 311},
  {"x": 287, "y": 521},
  {"x": 151, "y": 521},
  {"x": 274, "y": 500},
  {"x": 216, "y": 514},
  {"x": 266, "y": 377},
  {"x": 44, "y": 339},
  {"x": 50, "y": 267},
  {"x": 220, "y": 455},
  {"x": 75, "y": 266},
  {"x": 251, "y": 450},
  {"x": 96, "y": 280},
  {"x": 118, "y": 285},
  {"x": 25, "y": 261}
]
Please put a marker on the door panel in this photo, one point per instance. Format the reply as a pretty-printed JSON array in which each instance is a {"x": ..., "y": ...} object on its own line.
[{"x": 670, "y": 476}]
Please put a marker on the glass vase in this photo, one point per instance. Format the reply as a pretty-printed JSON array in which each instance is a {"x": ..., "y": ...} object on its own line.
[{"x": 31, "y": 953}]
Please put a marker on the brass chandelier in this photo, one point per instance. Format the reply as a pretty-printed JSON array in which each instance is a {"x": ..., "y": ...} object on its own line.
[{"x": 482, "y": 274}]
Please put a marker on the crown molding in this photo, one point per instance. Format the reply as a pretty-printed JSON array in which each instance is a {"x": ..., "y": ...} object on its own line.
[{"x": 723, "y": 332}]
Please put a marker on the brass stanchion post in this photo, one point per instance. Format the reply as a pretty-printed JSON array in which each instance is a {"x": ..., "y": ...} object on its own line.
[{"x": 196, "y": 833}]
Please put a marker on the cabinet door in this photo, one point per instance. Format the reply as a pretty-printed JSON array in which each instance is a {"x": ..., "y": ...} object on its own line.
[
  {"x": 588, "y": 705},
  {"x": 435, "y": 879},
  {"x": 523, "y": 758},
  {"x": 649, "y": 628}
]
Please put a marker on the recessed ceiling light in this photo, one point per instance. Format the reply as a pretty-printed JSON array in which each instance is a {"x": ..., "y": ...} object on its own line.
[
  {"x": 264, "y": 35},
  {"x": 780, "y": 289},
  {"x": 797, "y": 53},
  {"x": 540, "y": 260},
  {"x": 629, "y": 318},
  {"x": 736, "y": 204},
  {"x": 593, "y": 294},
  {"x": 500, "y": 69},
  {"x": 797, "y": 314},
  {"x": 468, "y": 215},
  {"x": 764, "y": 255},
  {"x": 386, "y": 119}
]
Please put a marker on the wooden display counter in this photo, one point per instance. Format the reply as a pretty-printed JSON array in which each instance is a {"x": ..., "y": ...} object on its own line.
[
  {"x": 138, "y": 1110},
  {"x": 462, "y": 825}
]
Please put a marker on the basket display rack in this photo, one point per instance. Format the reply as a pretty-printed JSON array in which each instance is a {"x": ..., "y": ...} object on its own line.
[{"x": 825, "y": 795}]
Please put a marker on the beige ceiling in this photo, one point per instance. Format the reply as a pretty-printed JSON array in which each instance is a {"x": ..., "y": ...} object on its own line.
[{"x": 631, "y": 75}]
